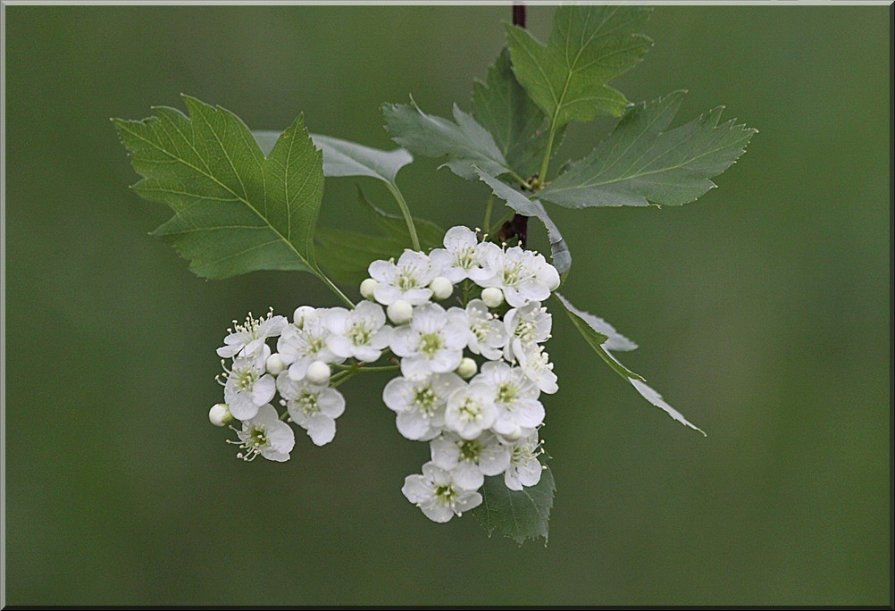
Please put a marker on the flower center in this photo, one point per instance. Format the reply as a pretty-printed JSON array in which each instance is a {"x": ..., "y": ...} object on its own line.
[
  {"x": 525, "y": 330},
  {"x": 506, "y": 394},
  {"x": 445, "y": 494},
  {"x": 406, "y": 279},
  {"x": 258, "y": 437},
  {"x": 359, "y": 334},
  {"x": 470, "y": 410},
  {"x": 512, "y": 274},
  {"x": 308, "y": 404},
  {"x": 424, "y": 398},
  {"x": 245, "y": 380},
  {"x": 430, "y": 343},
  {"x": 464, "y": 258},
  {"x": 470, "y": 450}
]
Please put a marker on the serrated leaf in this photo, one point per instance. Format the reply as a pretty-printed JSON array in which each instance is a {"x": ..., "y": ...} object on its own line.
[
  {"x": 518, "y": 201},
  {"x": 344, "y": 158},
  {"x": 588, "y": 47},
  {"x": 463, "y": 141},
  {"x": 641, "y": 162},
  {"x": 346, "y": 255},
  {"x": 517, "y": 514},
  {"x": 600, "y": 340},
  {"x": 518, "y": 125},
  {"x": 234, "y": 211}
]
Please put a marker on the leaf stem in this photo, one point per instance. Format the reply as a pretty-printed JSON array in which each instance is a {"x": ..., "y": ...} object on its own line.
[
  {"x": 405, "y": 210},
  {"x": 542, "y": 175},
  {"x": 325, "y": 279},
  {"x": 489, "y": 206}
]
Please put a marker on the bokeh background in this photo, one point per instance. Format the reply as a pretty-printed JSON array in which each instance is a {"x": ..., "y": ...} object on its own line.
[{"x": 761, "y": 312}]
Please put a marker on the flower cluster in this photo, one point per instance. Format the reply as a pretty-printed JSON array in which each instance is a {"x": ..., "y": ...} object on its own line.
[{"x": 471, "y": 374}]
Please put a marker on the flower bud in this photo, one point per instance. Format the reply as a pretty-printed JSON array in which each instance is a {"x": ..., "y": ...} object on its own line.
[
  {"x": 275, "y": 364},
  {"x": 219, "y": 414},
  {"x": 467, "y": 368},
  {"x": 492, "y": 297},
  {"x": 400, "y": 312},
  {"x": 442, "y": 288},
  {"x": 318, "y": 373},
  {"x": 301, "y": 313},
  {"x": 367, "y": 287}
]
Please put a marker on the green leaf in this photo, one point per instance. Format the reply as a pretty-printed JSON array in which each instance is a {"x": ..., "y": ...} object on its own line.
[
  {"x": 588, "y": 47},
  {"x": 562, "y": 258},
  {"x": 344, "y": 158},
  {"x": 346, "y": 255},
  {"x": 463, "y": 141},
  {"x": 518, "y": 125},
  {"x": 601, "y": 337},
  {"x": 518, "y": 514},
  {"x": 640, "y": 162},
  {"x": 234, "y": 210}
]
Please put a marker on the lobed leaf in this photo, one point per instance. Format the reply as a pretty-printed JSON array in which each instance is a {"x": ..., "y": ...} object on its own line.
[
  {"x": 588, "y": 47},
  {"x": 641, "y": 162},
  {"x": 234, "y": 211},
  {"x": 517, "y": 514},
  {"x": 600, "y": 337},
  {"x": 464, "y": 142}
]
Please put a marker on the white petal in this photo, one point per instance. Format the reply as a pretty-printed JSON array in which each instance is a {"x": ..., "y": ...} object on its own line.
[
  {"x": 437, "y": 512},
  {"x": 412, "y": 425},
  {"x": 321, "y": 429},
  {"x": 396, "y": 394},
  {"x": 331, "y": 402},
  {"x": 417, "y": 489},
  {"x": 467, "y": 500},
  {"x": 445, "y": 453},
  {"x": 468, "y": 476},
  {"x": 264, "y": 389}
]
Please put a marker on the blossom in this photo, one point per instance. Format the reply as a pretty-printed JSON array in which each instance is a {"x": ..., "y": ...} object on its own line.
[
  {"x": 247, "y": 338},
  {"x": 470, "y": 460},
  {"x": 459, "y": 256},
  {"x": 438, "y": 495},
  {"x": 433, "y": 342},
  {"x": 470, "y": 410},
  {"x": 408, "y": 279},
  {"x": 248, "y": 385},
  {"x": 524, "y": 326},
  {"x": 313, "y": 408},
  {"x": 266, "y": 435},
  {"x": 524, "y": 468},
  {"x": 487, "y": 336},
  {"x": 514, "y": 395},
  {"x": 359, "y": 333},
  {"x": 419, "y": 403},
  {"x": 522, "y": 275},
  {"x": 535, "y": 363},
  {"x": 304, "y": 342}
]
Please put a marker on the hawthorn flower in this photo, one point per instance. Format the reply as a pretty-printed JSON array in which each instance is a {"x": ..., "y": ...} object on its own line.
[
  {"x": 459, "y": 255},
  {"x": 244, "y": 339},
  {"x": 302, "y": 344},
  {"x": 487, "y": 336},
  {"x": 524, "y": 469},
  {"x": 470, "y": 410},
  {"x": 266, "y": 435},
  {"x": 433, "y": 342},
  {"x": 522, "y": 275},
  {"x": 515, "y": 396},
  {"x": 360, "y": 333},
  {"x": 438, "y": 495},
  {"x": 524, "y": 326},
  {"x": 313, "y": 408},
  {"x": 419, "y": 403},
  {"x": 535, "y": 363},
  {"x": 408, "y": 279},
  {"x": 470, "y": 460},
  {"x": 248, "y": 384}
]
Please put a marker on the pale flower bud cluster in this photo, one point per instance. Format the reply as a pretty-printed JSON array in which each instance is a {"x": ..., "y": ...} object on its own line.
[{"x": 464, "y": 327}]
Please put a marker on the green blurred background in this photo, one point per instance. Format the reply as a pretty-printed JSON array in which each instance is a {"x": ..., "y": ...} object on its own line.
[{"x": 761, "y": 312}]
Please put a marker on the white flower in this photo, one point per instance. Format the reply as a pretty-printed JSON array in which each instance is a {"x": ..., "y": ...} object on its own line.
[
  {"x": 360, "y": 333},
  {"x": 408, "y": 279},
  {"x": 467, "y": 368},
  {"x": 247, "y": 338},
  {"x": 470, "y": 410},
  {"x": 318, "y": 373},
  {"x": 266, "y": 435},
  {"x": 459, "y": 255},
  {"x": 442, "y": 288},
  {"x": 367, "y": 287},
  {"x": 248, "y": 385},
  {"x": 420, "y": 403},
  {"x": 487, "y": 335},
  {"x": 275, "y": 364},
  {"x": 299, "y": 346},
  {"x": 470, "y": 460},
  {"x": 492, "y": 297},
  {"x": 438, "y": 495},
  {"x": 527, "y": 325},
  {"x": 433, "y": 342},
  {"x": 514, "y": 395},
  {"x": 313, "y": 408},
  {"x": 523, "y": 275},
  {"x": 535, "y": 363},
  {"x": 524, "y": 469},
  {"x": 400, "y": 312},
  {"x": 219, "y": 414}
]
